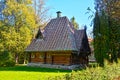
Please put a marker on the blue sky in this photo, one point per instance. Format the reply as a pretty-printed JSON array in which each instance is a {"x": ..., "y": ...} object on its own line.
[{"x": 70, "y": 8}]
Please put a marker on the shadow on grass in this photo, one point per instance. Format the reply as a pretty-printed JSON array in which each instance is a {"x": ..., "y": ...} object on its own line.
[{"x": 32, "y": 69}]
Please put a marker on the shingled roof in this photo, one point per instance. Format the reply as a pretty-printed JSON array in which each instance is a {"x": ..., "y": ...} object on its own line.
[{"x": 58, "y": 35}]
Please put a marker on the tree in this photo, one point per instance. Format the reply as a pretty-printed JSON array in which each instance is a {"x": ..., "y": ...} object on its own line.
[
  {"x": 75, "y": 24},
  {"x": 41, "y": 14},
  {"x": 6, "y": 59},
  {"x": 106, "y": 30},
  {"x": 100, "y": 32},
  {"x": 18, "y": 25}
]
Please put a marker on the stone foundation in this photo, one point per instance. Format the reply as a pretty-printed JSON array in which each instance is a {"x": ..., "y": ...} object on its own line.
[{"x": 70, "y": 67}]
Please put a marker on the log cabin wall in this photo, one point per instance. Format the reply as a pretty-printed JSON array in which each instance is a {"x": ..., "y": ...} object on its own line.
[
  {"x": 37, "y": 57},
  {"x": 60, "y": 58},
  {"x": 84, "y": 59},
  {"x": 79, "y": 59},
  {"x": 48, "y": 58},
  {"x": 75, "y": 59}
]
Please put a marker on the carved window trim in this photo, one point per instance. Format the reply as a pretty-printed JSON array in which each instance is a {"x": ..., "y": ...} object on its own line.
[
  {"x": 32, "y": 55},
  {"x": 41, "y": 56},
  {"x": 48, "y": 56}
]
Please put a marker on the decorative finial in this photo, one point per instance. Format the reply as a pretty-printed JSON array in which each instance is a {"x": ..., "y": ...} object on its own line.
[{"x": 85, "y": 27}]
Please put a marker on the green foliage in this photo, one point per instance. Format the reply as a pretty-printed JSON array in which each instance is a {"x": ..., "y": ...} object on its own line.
[
  {"x": 101, "y": 38},
  {"x": 16, "y": 31},
  {"x": 9, "y": 63},
  {"x": 108, "y": 72},
  {"x": 75, "y": 24},
  {"x": 106, "y": 31},
  {"x": 6, "y": 59}
]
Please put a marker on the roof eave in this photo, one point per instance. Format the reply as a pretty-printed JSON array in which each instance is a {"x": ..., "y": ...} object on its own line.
[{"x": 29, "y": 51}]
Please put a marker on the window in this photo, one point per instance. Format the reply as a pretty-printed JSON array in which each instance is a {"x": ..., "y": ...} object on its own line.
[
  {"x": 41, "y": 56},
  {"x": 48, "y": 56},
  {"x": 32, "y": 55}
]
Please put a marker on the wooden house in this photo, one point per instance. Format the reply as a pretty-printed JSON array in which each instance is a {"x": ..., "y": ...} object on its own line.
[{"x": 59, "y": 44}]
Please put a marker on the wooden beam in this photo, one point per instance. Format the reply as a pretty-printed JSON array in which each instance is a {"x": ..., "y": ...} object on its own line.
[{"x": 62, "y": 54}]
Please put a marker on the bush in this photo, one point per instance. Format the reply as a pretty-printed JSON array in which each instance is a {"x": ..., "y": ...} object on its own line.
[
  {"x": 6, "y": 59},
  {"x": 9, "y": 63},
  {"x": 109, "y": 72}
]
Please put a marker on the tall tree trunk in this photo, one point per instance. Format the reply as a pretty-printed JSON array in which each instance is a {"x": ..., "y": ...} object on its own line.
[
  {"x": 16, "y": 58},
  {"x": 24, "y": 58}
]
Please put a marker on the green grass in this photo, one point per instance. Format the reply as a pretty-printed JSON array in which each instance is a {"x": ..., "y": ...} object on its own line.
[
  {"x": 29, "y": 73},
  {"x": 108, "y": 72}
]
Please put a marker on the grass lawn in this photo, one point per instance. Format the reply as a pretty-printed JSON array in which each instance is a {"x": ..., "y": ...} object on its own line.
[{"x": 29, "y": 73}]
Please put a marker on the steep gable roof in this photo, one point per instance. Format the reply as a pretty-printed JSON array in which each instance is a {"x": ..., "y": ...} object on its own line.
[
  {"x": 59, "y": 35},
  {"x": 79, "y": 34},
  {"x": 39, "y": 35}
]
